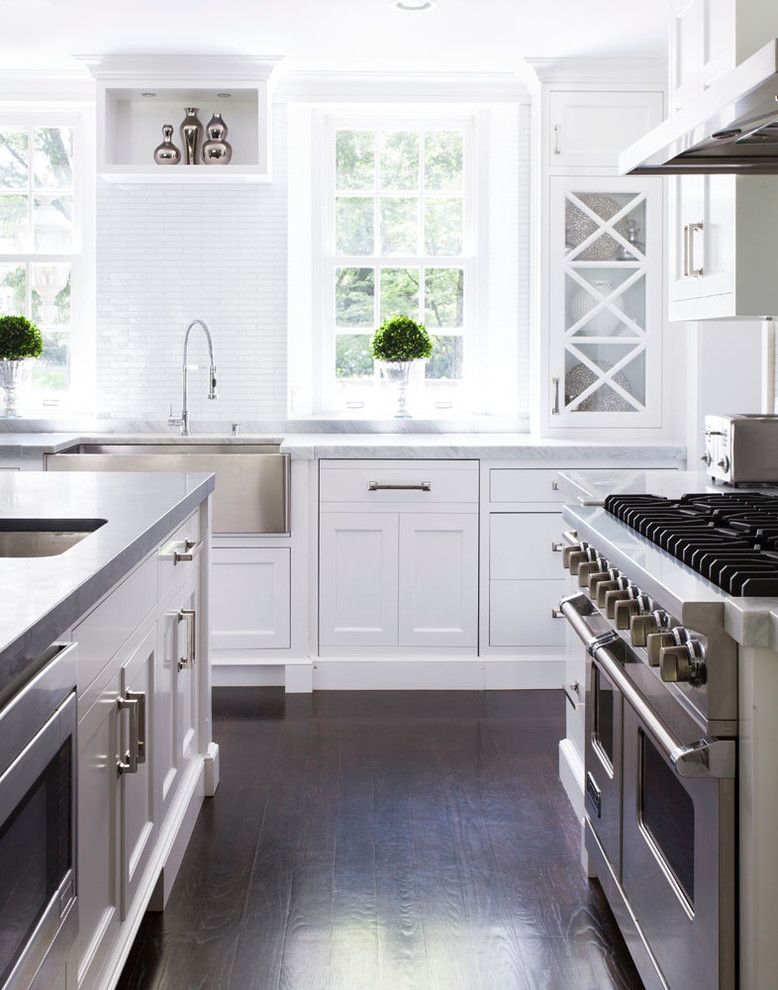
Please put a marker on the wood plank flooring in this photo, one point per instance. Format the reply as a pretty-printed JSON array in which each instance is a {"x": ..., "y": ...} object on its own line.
[{"x": 392, "y": 840}]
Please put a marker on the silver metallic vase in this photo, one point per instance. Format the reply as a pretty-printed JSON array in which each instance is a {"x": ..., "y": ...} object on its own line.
[
  {"x": 191, "y": 135},
  {"x": 11, "y": 373},
  {"x": 167, "y": 153},
  {"x": 217, "y": 150},
  {"x": 398, "y": 374}
]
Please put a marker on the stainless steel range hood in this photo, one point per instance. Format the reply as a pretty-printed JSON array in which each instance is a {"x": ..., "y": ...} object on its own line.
[{"x": 731, "y": 128}]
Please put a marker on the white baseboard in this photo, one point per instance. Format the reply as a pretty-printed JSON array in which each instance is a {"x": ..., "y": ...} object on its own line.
[
  {"x": 348, "y": 674},
  {"x": 571, "y": 773},
  {"x": 248, "y": 675}
]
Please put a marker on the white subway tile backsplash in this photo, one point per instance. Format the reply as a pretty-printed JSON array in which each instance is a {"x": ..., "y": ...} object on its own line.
[{"x": 167, "y": 254}]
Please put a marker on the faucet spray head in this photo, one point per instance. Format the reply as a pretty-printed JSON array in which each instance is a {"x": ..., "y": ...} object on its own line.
[{"x": 212, "y": 387}]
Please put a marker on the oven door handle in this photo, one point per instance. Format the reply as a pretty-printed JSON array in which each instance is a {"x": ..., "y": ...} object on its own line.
[
  {"x": 703, "y": 758},
  {"x": 575, "y": 608}
]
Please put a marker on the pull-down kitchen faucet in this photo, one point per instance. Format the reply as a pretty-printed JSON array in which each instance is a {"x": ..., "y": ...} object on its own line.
[{"x": 183, "y": 420}]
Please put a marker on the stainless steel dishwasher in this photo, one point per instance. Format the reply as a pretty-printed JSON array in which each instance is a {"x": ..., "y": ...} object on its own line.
[{"x": 252, "y": 479}]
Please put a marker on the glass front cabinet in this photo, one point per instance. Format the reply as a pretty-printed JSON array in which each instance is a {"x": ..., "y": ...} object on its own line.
[{"x": 605, "y": 307}]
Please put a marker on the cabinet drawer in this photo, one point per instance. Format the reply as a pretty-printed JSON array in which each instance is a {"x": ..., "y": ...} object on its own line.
[
  {"x": 524, "y": 485},
  {"x": 421, "y": 482},
  {"x": 520, "y": 613},
  {"x": 186, "y": 540},
  {"x": 107, "y": 626},
  {"x": 521, "y": 545}
]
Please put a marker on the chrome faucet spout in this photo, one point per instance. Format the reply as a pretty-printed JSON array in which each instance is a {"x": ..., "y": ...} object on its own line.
[{"x": 183, "y": 420}]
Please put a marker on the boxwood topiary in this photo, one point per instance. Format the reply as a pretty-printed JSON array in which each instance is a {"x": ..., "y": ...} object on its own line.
[
  {"x": 19, "y": 338},
  {"x": 401, "y": 339}
]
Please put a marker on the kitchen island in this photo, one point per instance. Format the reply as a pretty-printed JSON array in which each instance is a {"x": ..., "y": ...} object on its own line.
[{"x": 104, "y": 646}]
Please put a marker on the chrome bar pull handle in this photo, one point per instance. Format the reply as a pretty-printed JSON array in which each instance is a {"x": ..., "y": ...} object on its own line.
[
  {"x": 694, "y": 272},
  {"x": 190, "y": 551},
  {"x": 377, "y": 486},
  {"x": 557, "y": 129},
  {"x": 555, "y": 387},
  {"x": 140, "y": 741},
  {"x": 188, "y": 615},
  {"x": 686, "y": 250},
  {"x": 130, "y": 762}
]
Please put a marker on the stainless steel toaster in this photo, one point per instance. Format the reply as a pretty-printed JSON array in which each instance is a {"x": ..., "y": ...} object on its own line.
[{"x": 742, "y": 449}]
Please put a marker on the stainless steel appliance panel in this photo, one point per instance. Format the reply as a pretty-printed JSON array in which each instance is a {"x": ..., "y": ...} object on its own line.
[
  {"x": 603, "y": 761},
  {"x": 742, "y": 449}
]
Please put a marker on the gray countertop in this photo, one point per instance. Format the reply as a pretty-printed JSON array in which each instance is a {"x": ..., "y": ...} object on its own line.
[
  {"x": 41, "y": 597},
  {"x": 498, "y": 446}
]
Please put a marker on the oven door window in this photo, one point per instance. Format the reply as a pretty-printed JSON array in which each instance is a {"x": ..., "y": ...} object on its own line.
[
  {"x": 35, "y": 855},
  {"x": 667, "y": 816},
  {"x": 604, "y": 716}
]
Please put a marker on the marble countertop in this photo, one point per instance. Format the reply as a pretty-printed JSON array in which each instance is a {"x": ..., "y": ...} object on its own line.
[
  {"x": 41, "y": 597},
  {"x": 750, "y": 621},
  {"x": 308, "y": 446}
]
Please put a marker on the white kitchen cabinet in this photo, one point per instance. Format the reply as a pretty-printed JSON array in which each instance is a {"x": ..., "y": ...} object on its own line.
[
  {"x": 721, "y": 227},
  {"x": 358, "y": 577},
  {"x": 438, "y": 580},
  {"x": 588, "y": 129},
  {"x": 604, "y": 339},
  {"x": 524, "y": 545},
  {"x": 136, "y": 786},
  {"x": 250, "y": 600},
  {"x": 99, "y": 893},
  {"x": 398, "y": 554},
  {"x": 521, "y": 613}
]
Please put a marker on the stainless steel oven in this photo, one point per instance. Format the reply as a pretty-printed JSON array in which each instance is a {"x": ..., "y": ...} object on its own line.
[
  {"x": 38, "y": 904},
  {"x": 660, "y": 805}
]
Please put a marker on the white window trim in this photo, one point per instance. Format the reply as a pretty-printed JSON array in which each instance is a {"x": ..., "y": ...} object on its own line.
[
  {"x": 325, "y": 260},
  {"x": 80, "y": 397}
]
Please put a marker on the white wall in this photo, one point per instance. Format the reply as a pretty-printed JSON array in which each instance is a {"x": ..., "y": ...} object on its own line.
[{"x": 169, "y": 253}]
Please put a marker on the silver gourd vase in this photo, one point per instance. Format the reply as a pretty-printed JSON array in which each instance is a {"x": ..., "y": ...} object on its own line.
[
  {"x": 191, "y": 135},
  {"x": 217, "y": 150},
  {"x": 167, "y": 153},
  {"x": 11, "y": 374}
]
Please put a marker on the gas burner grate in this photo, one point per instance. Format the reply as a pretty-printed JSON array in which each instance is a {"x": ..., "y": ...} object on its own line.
[{"x": 730, "y": 539}]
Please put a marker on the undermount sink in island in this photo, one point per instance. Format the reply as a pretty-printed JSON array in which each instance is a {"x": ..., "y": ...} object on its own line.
[{"x": 104, "y": 600}]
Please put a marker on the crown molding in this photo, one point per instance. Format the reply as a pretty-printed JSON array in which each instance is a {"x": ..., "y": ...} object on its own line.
[
  {"x": 604, "y": 70},
  {"x": 176, "y": 66},
  {"x": 65, "y": 85},
  {"x": 332, "y": 86}
]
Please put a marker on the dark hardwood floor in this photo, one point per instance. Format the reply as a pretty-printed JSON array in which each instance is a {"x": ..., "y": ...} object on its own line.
[{"x": 384, "y": 840}]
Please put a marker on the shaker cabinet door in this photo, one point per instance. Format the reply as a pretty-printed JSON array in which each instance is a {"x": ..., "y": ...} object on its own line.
[
  {"x": 438, "y": 579},
  {"x": 358, "y": 579}
]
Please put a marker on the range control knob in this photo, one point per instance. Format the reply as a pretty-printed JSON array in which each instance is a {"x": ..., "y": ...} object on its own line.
[
  {"x": 655, "y": 643},
  {"x": 596, "y": 578},
  {"x": 603, "y": 588},
  {"x": 586, "y": 569},
  {"x": 641, "y": 626},
  {"x": 625, "y": 610},
  {"x": 612, "y": 597},
  {"x": 723, "y": 462},
  {"x": 574, "y": 561},
  {"x": 706, "y": 459},
  {"x": 682, "y": 664},
  {"x": 567, "y": 552}
]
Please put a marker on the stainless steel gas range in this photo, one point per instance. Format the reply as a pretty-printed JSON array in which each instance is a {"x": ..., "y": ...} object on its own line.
[{"x": 661, "y": 735}]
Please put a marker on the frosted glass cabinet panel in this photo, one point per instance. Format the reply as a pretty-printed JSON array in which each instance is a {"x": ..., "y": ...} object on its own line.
[{"x": 606, "y": 304}]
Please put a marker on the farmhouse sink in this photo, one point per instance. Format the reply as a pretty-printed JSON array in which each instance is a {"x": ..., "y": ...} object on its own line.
[
  {"x": 252, "y": 479},
  {"x": 43, "y": 537}
]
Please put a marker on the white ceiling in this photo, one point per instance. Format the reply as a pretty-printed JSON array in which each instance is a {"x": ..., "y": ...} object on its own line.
[{"x": 462, "y": 35}]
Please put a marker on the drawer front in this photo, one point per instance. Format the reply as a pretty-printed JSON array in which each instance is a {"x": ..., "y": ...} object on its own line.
[
  {"x": 414, "y": 482},
  {"x": 101, "y": 633},
  {"x": 525, "y": 545},
  {"x": 518, "y": 485},
  {"x": 173, "y": 564},
  {"x": 520, "y": 613}
]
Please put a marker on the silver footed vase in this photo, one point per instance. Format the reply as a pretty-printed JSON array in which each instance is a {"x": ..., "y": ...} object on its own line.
[
  {"x": 191, "y": 135},
  {"x": 11, "y": 374},
  {"x": 398, "y": 374},
  {"x": 217, "y": 150}
]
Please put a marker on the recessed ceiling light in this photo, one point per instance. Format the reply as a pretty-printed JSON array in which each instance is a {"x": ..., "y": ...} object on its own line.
[
  {"x": 148, "y": 95},
  {"x": 224, "y": 96},
  {"x": 414, "y": 4}
]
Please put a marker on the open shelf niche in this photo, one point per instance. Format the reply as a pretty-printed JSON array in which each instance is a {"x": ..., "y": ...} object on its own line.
[{"x": 138, "y": 94}]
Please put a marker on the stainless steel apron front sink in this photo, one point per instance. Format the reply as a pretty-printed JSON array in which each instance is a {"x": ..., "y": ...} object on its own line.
[{"x": 252, "y": 479}]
